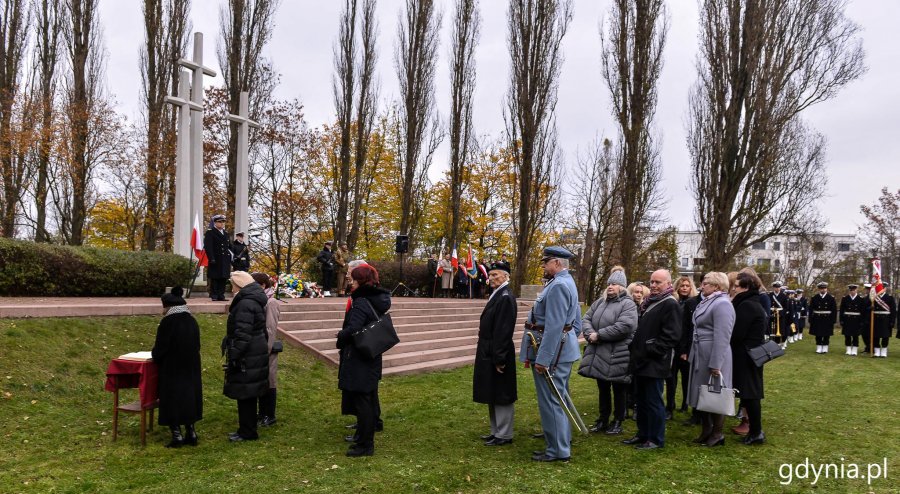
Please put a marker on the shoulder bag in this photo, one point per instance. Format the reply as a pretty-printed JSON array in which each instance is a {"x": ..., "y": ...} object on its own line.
[
  {"x": 715, "y": 398},
  {"x": 765, "y": 352},
  {"x": 376, "y": 338}
]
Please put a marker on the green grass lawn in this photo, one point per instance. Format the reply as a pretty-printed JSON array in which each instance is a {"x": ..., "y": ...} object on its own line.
[{"x": 56, "y": 424}]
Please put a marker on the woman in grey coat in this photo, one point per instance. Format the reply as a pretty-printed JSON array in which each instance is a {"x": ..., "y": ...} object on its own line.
[
  {"x": 608, "y": 327},
  {"x": 711, "y": 351}
]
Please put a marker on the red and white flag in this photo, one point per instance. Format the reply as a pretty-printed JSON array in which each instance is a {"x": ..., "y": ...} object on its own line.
[
  {"x": 454, "y": 261},
  {"x": 877, "y": 286},
  {"x": 197, "y": 242}
]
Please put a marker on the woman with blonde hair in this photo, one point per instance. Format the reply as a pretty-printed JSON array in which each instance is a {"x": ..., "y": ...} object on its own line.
[
  {"x": 637, "y": 291},
  {"x": 710, "y": 357}
]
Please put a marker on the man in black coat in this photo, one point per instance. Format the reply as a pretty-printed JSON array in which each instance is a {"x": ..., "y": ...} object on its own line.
[
  {"x": 652, "y": 350},
  {"x": 494, "y": 377},
  {"x": 218, "y": 254},
  {"x": 782, "y": 317},
  {"x": 240, "y": 253},
  {"x": 854, "y": 318},
  {"x": 326, "y": 261},
  {"x": 885, "y": 315},
  {"x": 822, "y": 317},
  {"x": 802, "y": 308}
]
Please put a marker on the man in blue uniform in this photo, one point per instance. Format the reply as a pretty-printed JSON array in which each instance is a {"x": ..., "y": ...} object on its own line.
[
  {"x": 854, "y": 318},
  {"x": 555, "y": 321}
]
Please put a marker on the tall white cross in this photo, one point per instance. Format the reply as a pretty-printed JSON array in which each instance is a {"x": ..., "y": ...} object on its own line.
[
  {"x": 183, "y": 211},
  {"x": 241, "y": 194},
  {"x": 196, "y": 147}
]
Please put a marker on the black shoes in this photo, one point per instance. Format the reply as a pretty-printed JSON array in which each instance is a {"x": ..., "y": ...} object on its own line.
[
  {"x": 190, "y": 435},
  {"x": 669, "y": 415},
  {"x": 360, "y": 451},
  {"x": 352, "y": 438},
  {"x": 543, "y": 457},
  {"x": 236, "y": 438},
  {"x": 648, "y": 445},
  {"x": 599, "y": 426},
  {"x": 267, "y": 421},
  {"x": 498, "y": 442},
  {"x": 751, "y": 440},
  {"x": 177, "y": 438},
  {"x": 634, "y": 440},
  {"x": 487, "y": 437},
  {"x": 614, "y": 429},
  {"x": 539, "y": 435}
]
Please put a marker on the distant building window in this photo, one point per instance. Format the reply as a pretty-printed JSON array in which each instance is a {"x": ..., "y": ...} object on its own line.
[
  {"x": 759, "y": 246},
  {"x": 794, "y": 246},
  {"x": 818, "y": 246},
  {"x": 699, "y": 261},
  {"x": 844, "y": 247},
  {"x": 777, "y": 263},
  {"x": 763, "y": 263},
  {"x": 684, "y": 262},
  {"x": 776, "y": 245},
  {"x": 818, "y": 264}
]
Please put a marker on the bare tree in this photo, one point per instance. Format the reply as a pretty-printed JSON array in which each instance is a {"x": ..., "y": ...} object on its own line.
[
  {"x": 761, "y": 63},
  {"x": 13, "y": 30},
  {"x": 366, "y": 108},
  {"x": 48, "y": 21},
  {"x": 166, "y": 29},
  {"x": 418, "y": 126},
  {"x": 245, "y": 27},
  {"x": 633, "y": 44},
  {"x": 466, "y": 31},
  {"x": 881, "y": 233},
  {"x": 342, "y": 85},
  {"x": 536, "y": 31},
  {"x": 82, "y": 94},
  {"x": 596, "y": 198}
]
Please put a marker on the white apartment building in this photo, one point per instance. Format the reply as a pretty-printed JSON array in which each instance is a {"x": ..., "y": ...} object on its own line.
[{"x": 788, "y": 258}]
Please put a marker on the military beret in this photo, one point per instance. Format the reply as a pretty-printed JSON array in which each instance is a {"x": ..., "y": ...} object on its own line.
[
  {"x": 852, "y": 286},
  {"x": 556, "y": 252},
  {"x": 822, "y": 284},
  {"x": 777, "y": 284},
  {"x": 499, "y": 266}
]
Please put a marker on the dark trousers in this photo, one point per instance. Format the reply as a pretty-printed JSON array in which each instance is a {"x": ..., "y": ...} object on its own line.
[
  {"x": 612, "y": 399},
  {"x": 684, "y": 368},
  {"x": 882, "y": 342},
  {"x": 364, "y": 404},
  {"x": 327, "y": 279},
  {"x": 754, "y": 415},
  {"x": 865, "y": 338},
  {"x": 822, "y": 340},
  {"x": 217, "y": 288},
  {"x": 651, "y": 411},
  {"x": 247, "y": 418},
  {"x": 267, "y": 404},
  {"x": 851, "y": 340}
]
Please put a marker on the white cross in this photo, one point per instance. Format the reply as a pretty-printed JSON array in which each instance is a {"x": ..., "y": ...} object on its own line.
[
  {"x": 182, "y": 227},
  {"x": 241, "y": 195}
]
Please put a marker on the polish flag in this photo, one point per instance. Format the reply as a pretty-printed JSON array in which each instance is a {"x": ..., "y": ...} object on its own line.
[
  {"x": 454, "y": 261},
  {"x": 197, "y": 242}
]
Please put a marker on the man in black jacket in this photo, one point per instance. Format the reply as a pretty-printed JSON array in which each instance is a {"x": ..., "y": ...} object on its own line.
[
  {"x": 652, "y": 350},
  {"x": 240, "y": 253},
  {"x": 326, "y": 260},
  {"x": 822, "y": 316},
  {"x": 218, "y": 253}
]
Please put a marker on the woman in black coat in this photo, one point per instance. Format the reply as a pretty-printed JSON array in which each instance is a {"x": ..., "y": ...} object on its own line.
[
  {"x": 247, "y": 353},
  {"x": 177, "y": 354},
  {"x": 494, "y": 378},
  {"x": 749, "y": 331},
  {"x": 358, "y": 376}
]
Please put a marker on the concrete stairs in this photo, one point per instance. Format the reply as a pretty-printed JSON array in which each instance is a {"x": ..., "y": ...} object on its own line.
[{"x": 435, "y": 334}]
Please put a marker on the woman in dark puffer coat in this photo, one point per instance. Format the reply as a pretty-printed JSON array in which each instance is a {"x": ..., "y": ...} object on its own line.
[
  {"x": 749, "y": 332},
  {"x": 246, "y": 352},
  {"x": 608, "y": 327},
  {"x": 358, "y": 376}
]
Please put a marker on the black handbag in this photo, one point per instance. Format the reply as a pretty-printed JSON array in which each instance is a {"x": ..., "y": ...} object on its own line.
[
  {"x": 278, "y": 346},
  {"x": 376, "y": 338},
  {"x": 765, "y": 352}
]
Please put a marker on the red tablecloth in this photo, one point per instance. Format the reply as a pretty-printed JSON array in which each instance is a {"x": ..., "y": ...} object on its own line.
[{"x": 134, "y": 374}]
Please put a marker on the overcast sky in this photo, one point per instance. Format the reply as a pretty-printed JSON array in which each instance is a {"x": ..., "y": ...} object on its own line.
[{"x": 861, "y": 124}]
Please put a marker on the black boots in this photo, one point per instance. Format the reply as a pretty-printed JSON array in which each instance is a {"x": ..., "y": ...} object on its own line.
[
  {"x": 190, "y": 435},
  {"x": 267, "y": 408},
  {"x": 615, "y": 428},
  {"x": 177, "y": 438}
]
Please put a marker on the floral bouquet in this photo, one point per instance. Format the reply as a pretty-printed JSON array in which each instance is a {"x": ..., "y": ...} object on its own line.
[{"x": 288, "y": 285}]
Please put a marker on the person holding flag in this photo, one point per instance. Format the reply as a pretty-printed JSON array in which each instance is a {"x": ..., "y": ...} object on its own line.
[{"x": 884, "y": 313}]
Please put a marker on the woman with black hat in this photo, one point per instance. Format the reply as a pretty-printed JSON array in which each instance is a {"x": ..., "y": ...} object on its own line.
[{"x": 177, "y": 354}]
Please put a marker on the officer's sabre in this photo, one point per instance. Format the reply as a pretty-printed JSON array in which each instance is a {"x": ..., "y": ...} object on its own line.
[{"x": 567, "y": 405}]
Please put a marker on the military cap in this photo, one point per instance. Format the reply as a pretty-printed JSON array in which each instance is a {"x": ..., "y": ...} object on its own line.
[
  {"x": 799, "y": 290},
  {"x": 556, "y": 252},
  {"x": 499, "y": 266},
  {"x": 852, "y": 286},
  {"x": 822, "y": 284},
  {"x": 777, "y": 284},
  {"x": 867, "y": 285},
  {"x": 218, "y": 217}
]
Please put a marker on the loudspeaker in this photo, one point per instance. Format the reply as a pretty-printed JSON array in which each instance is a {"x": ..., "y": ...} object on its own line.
[{"x": 402, "y": 245}]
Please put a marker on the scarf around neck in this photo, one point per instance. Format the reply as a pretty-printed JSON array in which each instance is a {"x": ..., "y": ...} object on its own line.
[
  {"x": 177, "y": 310},
  {"x": 652, "y": 299},
  {"x": 708, "y": 300}
]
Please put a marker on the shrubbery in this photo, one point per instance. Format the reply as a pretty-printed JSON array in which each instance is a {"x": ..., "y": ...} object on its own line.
[{"x": 33, "y": 269}]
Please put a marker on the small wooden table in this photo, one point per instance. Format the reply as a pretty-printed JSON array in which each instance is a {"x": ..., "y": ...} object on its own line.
[{"x": 124, "y": 374}]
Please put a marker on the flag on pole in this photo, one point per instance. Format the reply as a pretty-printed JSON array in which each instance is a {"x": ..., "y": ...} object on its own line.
[
  {"x": 440, "y": 271},
  {"x": 197, "y": 242},
  {"x": 454, "y": 261},
  {"x": 483, "y": 270},
  {"x": 470, "y": 264},
  {"x": 877, "y": 286}
]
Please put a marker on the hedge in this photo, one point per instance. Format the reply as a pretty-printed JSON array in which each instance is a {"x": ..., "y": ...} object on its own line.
[{"x": 35, "y": 269}]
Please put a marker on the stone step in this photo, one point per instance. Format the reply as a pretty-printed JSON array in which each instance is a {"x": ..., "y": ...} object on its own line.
[
  {"x": 334, "y": 314},
  {"x": 339, "y": 304},
  {"x": 302, "y": 330},
  {"x": 407, "y": 345},
  {"x": 433, "y": 365},
  {"x": 397, "y": 319}
]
